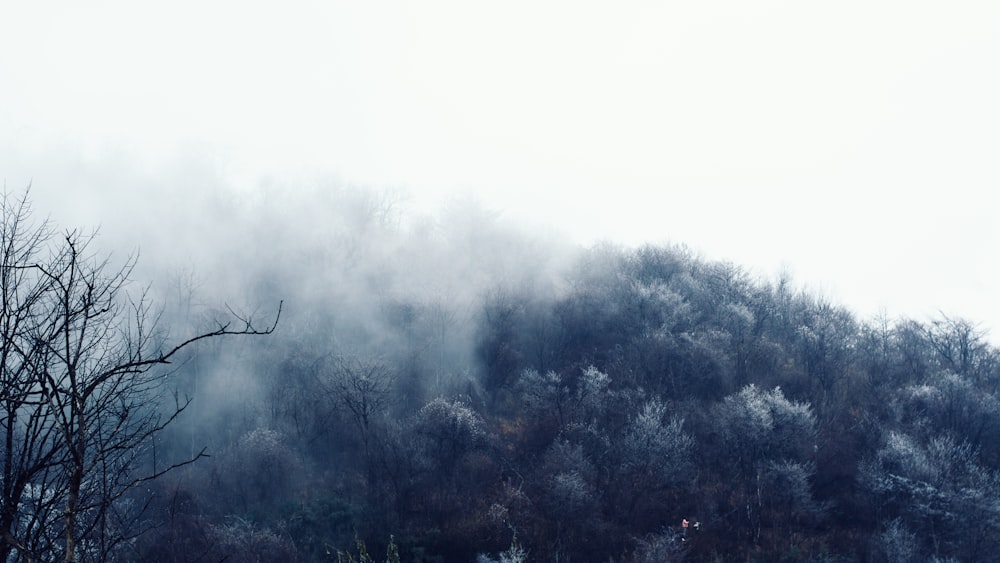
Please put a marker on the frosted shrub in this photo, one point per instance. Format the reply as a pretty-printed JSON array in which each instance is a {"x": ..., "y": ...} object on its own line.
[
  {"x": 897, "y": 544},
  {"x": 242, "y": 540},
  {"x": 513, "y": 554}
]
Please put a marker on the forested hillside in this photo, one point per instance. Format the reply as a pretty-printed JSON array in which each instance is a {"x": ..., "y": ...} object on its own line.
[{"x": 453, "y": 389}]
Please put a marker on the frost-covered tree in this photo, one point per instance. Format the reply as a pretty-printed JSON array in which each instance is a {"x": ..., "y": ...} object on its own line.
[
  {"x": 566, "y": 399},
  {"x": 938, "y": 489},
  {"x": 767, "y": 444},
  {"x": 448, "y": 439},
  {"x": 448, "y": 429},
  {"x": 656, "y": 447}
]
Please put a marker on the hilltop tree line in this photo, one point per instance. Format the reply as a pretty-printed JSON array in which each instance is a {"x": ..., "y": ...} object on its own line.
[{"x": 454, "y": 390}]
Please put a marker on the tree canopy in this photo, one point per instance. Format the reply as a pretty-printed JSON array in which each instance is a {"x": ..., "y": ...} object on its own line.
[{"x": 467, "y": 392}]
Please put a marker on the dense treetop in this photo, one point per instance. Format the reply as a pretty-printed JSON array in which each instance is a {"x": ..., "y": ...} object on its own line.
[{"x": 456, "y": 390}]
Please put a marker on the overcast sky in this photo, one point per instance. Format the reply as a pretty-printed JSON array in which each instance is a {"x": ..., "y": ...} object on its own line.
[{"x": 855, "y": 144}]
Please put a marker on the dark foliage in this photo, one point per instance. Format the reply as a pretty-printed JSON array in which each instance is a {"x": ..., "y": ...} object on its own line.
[{"x": 464, "y": 405}]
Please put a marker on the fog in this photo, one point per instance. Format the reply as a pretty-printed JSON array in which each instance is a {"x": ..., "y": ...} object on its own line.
[
  {"x": 851, "y": 146},
  {"x": 359, "y": 272},
  {"x": 913, "y": 256},
  {"x": 457, "y": 382},
  {"x": 520, "y": 251}
]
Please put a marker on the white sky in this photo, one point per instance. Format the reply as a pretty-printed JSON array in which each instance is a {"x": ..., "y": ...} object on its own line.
[{"x": 856, "y": 144}]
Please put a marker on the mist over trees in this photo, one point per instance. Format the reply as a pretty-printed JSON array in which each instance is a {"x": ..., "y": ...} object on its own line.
[
  {"x": 451, "y": 388},
  {"x": 81, "y": 392}
]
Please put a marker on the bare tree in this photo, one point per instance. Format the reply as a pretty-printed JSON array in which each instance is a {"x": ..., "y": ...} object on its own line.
[
  {"x": 31, "y": 449},
  {"x": 962, "y": 347},
  {"x": 362, "y": 387},
  {"x": 84, "y": 372}
]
